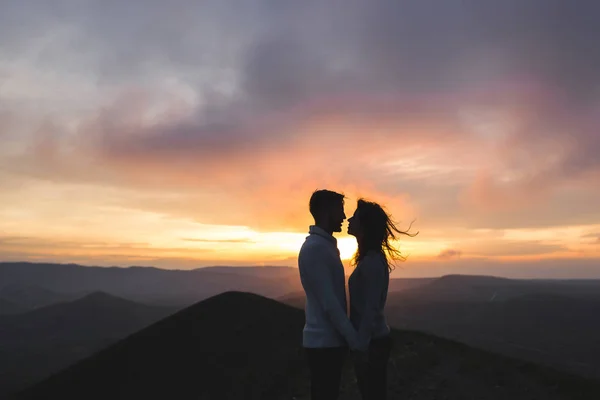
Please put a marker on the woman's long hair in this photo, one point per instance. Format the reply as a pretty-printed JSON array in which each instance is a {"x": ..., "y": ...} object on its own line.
[{"x": 378, "y": 232}]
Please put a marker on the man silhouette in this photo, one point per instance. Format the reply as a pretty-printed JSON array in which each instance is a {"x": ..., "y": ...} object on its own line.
[{"x": 328, "y": 332}]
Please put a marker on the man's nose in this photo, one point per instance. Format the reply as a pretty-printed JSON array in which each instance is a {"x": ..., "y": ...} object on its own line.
[{"x": 344, "y": 215}]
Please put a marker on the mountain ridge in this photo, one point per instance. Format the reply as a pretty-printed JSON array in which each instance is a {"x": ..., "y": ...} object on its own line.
[
  {"x": 149, "y": 284},
  {"x": 39, "y": 342}
]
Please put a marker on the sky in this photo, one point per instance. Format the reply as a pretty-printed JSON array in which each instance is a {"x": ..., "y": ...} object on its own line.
[{"x": 191, "y": 133}]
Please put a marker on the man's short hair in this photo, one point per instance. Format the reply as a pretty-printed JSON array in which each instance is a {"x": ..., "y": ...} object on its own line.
[{"x": 324, "y": 200}]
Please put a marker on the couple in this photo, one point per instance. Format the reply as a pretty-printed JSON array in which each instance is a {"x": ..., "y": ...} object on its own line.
[{"x": 329, "y": 334}]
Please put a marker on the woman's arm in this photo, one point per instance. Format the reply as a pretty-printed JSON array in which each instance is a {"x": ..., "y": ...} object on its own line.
[{"x": 373, "y": 271}]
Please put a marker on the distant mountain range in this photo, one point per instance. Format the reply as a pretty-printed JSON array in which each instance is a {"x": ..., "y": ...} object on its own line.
[
  {"x": 143, "y": 284},
  {"x": 40, "y": 342},
  {"x": 489, "y": 288},
  {"x": 244, "y": 346}
]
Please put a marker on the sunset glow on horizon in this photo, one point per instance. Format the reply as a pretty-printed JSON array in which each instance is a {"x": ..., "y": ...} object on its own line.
[{"x": 193, "y": 134}]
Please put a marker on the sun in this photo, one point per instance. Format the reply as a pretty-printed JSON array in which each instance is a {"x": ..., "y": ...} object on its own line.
[{"x": 347, "y": 246}]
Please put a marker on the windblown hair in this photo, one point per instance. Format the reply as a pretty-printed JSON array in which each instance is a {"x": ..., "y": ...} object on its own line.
[{"x": 378, "y": 233}]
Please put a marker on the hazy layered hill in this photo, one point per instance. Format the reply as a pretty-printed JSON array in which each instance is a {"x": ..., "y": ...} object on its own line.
[
  {"x": 551, "y": 329},
  {"x": 8, "y": 307},
  {"x": 244, "y": 346},
  {"x": 150, "y": 285},
  {"x": 37, "y": 343},
  {"x": 29, "y": 297},
  {"x": 489, "y": 288},
  {"x": 548, "y": 321},
  {"x": 551, "y": 322}
]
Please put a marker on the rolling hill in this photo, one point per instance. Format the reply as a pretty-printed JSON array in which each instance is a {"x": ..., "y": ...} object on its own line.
[
  {"x": 8, "y": 307},
  {"x": 37, "y": 343},
  {"x": 32, "y": 297},
  {"x": 549, "y": 322},
  {"x": 244, "y": 346},
  {"x": 555, "y": 330}
]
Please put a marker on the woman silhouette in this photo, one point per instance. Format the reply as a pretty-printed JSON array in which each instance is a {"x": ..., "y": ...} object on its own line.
[{"x": 368, "y": 287}]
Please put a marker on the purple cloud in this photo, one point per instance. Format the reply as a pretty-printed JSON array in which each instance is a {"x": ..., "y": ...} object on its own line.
[
  {"x": 449, "y": 254},
  {"x": 275, "y": 80}
]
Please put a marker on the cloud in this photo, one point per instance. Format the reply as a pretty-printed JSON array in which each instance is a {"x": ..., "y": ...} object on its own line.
[
  {"x": 14, "y": 243},
  {"x": 217, "y": 240},
  {"x": 303, "y": 95},
  {"x": 449, "y": 254},
  {"x": 516, "y": 248},
  {"x": 592, "y": 238}
]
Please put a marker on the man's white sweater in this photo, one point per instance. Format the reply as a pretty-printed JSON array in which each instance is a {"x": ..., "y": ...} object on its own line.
[{"x": 323, "y": 280}]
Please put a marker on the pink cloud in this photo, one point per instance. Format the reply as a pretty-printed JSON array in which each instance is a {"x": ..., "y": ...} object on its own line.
[{"x": 326, "y": 104}]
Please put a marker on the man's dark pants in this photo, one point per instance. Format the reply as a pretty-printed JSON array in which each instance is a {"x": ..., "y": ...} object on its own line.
[{"x": 325, "y": 365}]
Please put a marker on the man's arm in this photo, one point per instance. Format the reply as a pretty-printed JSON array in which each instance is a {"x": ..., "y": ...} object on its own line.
[
  {"x": 317, "y": 275},
  {"x": 373, "y": 271}
]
